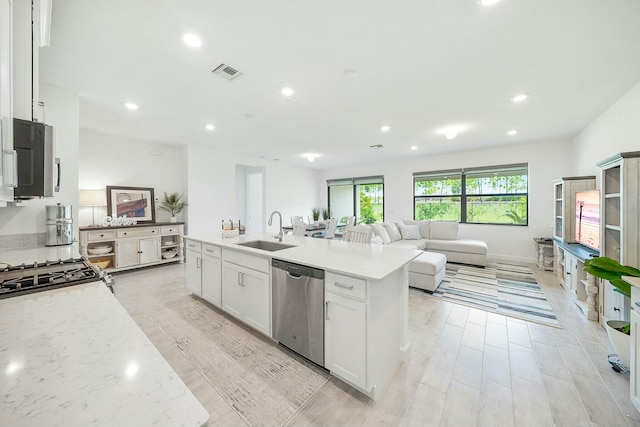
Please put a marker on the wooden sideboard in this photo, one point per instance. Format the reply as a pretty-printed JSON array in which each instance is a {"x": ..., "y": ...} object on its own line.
[{"x": 133, "y": 246}]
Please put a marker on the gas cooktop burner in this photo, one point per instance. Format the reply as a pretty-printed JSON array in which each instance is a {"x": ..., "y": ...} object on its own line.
[{"x": 27, "y": 278}]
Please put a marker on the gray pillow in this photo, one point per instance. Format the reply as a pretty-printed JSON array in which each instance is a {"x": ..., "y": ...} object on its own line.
[
  {"x": 392, "y": 230},
  {"x": 410, "y": 232},
  {"x": 380, "y": 231},
  {"x": 423, "y": 225}
]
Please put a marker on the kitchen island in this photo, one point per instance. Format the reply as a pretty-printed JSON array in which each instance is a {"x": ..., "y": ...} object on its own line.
[
  {"x": 73, "y": 356},
  {"x": 365, "y": 299}
]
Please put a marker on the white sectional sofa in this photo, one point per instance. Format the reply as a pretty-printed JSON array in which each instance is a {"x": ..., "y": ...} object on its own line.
[{"x": 433, "y": 236}]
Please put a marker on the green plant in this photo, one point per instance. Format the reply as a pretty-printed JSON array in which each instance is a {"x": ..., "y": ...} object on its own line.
[
  {"x": 609, "y": 269},
  {"x": 172, "y": 203},
  {"x": 316, "y": 214},
  {"x": 325, "y": 214}
]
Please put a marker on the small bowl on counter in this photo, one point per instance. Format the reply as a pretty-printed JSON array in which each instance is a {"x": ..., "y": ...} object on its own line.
[{"x": 103, "y": 264}]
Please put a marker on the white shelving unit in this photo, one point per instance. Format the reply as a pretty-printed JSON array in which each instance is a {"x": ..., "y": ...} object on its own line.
[
  {"x": 565, "y": 190},
  {"x": 619, "y": 225}
]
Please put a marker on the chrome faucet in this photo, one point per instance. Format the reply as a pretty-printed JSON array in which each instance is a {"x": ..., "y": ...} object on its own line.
[{"x": 280, "y": 234}]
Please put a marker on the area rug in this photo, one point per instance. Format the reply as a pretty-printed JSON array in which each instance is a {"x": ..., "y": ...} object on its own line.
[
  {"x": 510, "y": 290},
  {"x": 263, "y": 382}
]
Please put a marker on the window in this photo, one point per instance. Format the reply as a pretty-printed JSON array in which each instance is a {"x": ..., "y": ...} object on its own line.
[
  {"x": 487, "y": 195},
  {"x": 359, "y": 197}
]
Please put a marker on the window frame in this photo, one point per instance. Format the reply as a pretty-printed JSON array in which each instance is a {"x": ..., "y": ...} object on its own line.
[
  {"x": 463, "y": 174},
  {"x": 355, "y": 183}
]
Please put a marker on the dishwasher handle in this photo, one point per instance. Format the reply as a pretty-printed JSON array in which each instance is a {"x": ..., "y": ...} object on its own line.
[{"x": 294, "y": 276}]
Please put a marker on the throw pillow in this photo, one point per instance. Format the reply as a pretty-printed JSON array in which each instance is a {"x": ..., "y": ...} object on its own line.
[
  {"x": 376, "y": 241},
  {"x": 392, "y": 230},
  {"x": 423, "y": 225},
  {"x": 443, "y": 230},
  {"x": 410, "y": 232},
  {"x": 380, "y": 231}
]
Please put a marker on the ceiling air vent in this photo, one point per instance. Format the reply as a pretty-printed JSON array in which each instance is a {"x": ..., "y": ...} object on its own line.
[
  {"x": 226, "y": 72},
  {"x": 376, "y": 146}
]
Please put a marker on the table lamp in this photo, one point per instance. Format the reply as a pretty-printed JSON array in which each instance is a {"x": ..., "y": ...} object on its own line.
[{"x": 93, "y": 199}]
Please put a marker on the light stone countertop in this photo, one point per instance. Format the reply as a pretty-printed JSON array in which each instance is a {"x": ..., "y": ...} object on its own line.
[
  {"x": 355, "y": 259},
  {"x": 39, "y": 254},
  {"x": 633, "y": 281},
  {"x": 74, "y": 357}
]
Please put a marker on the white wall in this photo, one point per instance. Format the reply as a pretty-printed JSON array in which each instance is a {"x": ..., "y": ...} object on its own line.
[
  {"x": 616, "y": 130},
  {"x": 547, "y": 161},
  {"x": 62, "y": 112},
  {"x": 212, "y": 188},
  {"x": 111, "y": 160}
]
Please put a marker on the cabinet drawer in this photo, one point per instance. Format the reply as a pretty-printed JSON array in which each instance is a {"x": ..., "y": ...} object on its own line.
[
  {"x": 345, "y": 285},
  {"x": 249, "y": 261},
  {"x": 94, "y": 236},
  {"x": 193, "y": 245},
  {"x": 173, "y": 229},
  {"x": 139, "y": 232},
  {"x": 211, "y": 250}
]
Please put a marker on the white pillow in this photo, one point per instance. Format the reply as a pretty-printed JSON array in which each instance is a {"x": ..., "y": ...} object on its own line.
[
  {"x": 380, "y": 231},
  {"x": 443, "y": 230},
  {"x": 392, "y": 230},
  {"x": 423, "y": 225},
  {"x": 410, "y": 232},
  {"x": 377, "y": 240}
]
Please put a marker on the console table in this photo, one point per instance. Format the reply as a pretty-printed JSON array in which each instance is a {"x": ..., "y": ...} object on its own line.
[
  {"x": 569, "y": 268},
  {"x": 133, "y": 246},
  {"x": 545, "y": 253}
]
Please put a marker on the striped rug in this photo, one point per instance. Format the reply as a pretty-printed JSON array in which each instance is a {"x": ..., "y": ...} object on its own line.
[{"x": 510, "y": 290}]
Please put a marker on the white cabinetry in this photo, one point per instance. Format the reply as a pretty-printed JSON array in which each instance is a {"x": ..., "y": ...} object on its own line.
[
  {"x": 204, "y": 271},
  {"x": 246, "y": 289},
  {"x": 7, "y": 155},
  {"x": 361, "y": 316},
  {"x": 634, "y": 391},
  {"x": 619, "y": 224},
  {"x": 346, "y": 338},
  {"x": 133, "y": 246}
]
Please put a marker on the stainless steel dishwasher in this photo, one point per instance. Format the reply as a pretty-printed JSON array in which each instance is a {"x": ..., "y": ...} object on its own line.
[{"x": 298, "y": 308}]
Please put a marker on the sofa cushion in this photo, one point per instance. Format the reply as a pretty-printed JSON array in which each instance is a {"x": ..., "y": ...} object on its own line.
[
  {"x": 463, "y": 245},
  {"x": 422, "y": 225},
  {"x": 410, "y": 232},
  {"x": 443, "y": 230},
  {"x": 429, "y": 263},
  {"x": 392, "y": 230},
  {"x": 419, "y": 244},
  {"x": 380, "y": 231}
]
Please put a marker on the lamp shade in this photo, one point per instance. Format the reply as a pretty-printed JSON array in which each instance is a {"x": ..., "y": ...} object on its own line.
[{"x": 93, "y": 198}]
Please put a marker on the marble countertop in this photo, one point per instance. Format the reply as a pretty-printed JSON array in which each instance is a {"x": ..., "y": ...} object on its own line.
[
  {"x": 74, "y": 357},
  {"x": 355, "y": 259}
]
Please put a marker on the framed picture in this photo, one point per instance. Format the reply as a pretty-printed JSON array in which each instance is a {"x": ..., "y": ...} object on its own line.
[{"x": 133, "y": 202}]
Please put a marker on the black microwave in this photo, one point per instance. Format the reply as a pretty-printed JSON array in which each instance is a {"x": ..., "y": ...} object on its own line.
[{"x": 38, "y": 168}]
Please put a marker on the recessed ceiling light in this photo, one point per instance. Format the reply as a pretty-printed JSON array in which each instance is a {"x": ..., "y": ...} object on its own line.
[
  {"x": 192, "y": 40},
  {"x": 210, "y": 127},
  {"x": 519, "y": 98},
  {"x": 451, "y": 132},
  {"x": 287, "y": 91},
  {"x": 385, "y": 128},
  {"x": 414, "y": 147},
  {"x": 488, "y": 2},
  {"x": 350, "y": 72},
  {"x": 311, "y": 156},
  {"x": 512, "y": 132},
  {"x": 131, "y": 106}
]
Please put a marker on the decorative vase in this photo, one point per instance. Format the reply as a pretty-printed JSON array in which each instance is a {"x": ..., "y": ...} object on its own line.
[
  {"x": 173, "y": 219},
  {"x": 620, "y": 341}
]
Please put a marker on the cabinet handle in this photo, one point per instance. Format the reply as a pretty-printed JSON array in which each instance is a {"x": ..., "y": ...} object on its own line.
[
  {"x": 240, "y": 279},
  {"x": 616, "y": 308},
  {"x": 326, "y": 310},
  {"x": 638, "y": 304},
  {"x": 197, "y": 262},
  {"x": 209, "y": 250},
  {"x": 342, "y": 285}
]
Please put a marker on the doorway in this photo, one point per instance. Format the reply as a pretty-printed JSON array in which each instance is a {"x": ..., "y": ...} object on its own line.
[{"x": 250, "y": 197}]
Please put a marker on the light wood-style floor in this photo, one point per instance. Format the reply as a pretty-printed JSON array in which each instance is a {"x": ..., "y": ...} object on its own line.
[{"x": 467, "y": 367}]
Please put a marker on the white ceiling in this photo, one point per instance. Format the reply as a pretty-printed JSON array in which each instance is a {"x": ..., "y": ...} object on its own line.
[{"x": 421, "y": 65}]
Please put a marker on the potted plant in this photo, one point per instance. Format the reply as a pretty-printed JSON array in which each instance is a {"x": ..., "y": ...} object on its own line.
[
  {"x": 172, "y": 203},
  {"x": 316, "y": 215},
  {"x": 325, "y": 214},
  {"x": 618, "y": 330}
]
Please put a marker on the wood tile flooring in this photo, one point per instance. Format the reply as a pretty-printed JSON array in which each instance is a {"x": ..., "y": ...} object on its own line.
[{"x": 467, "y": 367}]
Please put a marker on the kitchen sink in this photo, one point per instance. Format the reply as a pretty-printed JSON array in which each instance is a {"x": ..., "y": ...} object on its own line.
[{"x": 266, "y": 245}]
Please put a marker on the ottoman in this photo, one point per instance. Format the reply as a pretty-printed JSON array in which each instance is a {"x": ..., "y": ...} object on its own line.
[{"x": 427, "y": 271}]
